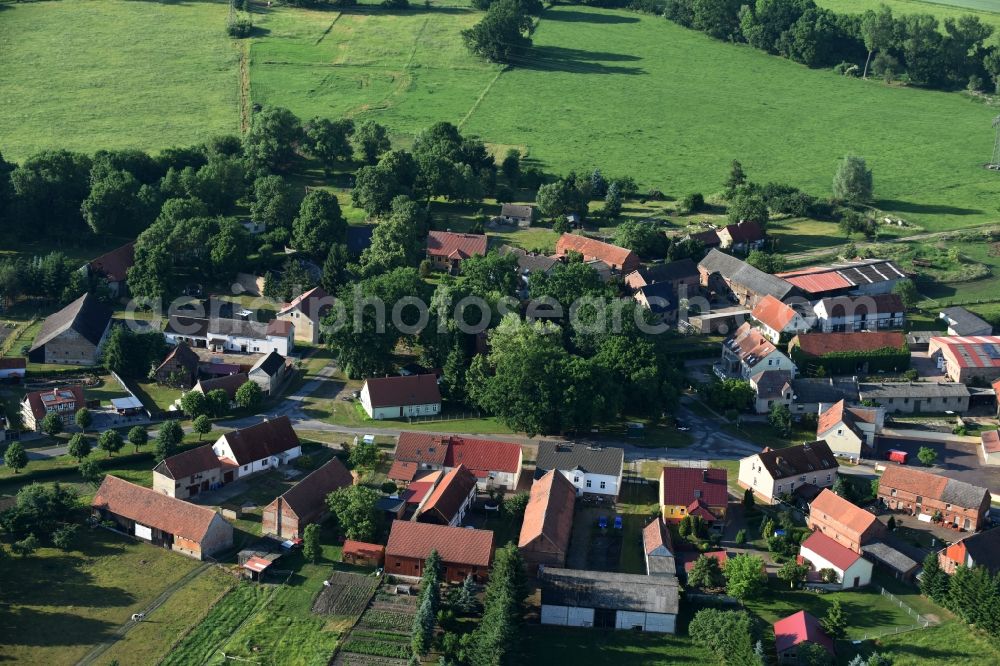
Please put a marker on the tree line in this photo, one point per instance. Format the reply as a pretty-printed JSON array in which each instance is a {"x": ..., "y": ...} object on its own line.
[{"x": 910, "y": 48}]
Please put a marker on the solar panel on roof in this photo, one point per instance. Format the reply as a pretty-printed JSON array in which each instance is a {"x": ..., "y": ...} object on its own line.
[{"x": 993, "y": 351}]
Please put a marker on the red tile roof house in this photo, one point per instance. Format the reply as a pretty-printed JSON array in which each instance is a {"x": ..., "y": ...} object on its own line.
[
  {"x": 451, "y": 499},
  {"x": 447, "y": 250},
  {"x": 977, "y": 550},
  {"x": 746, "y": 235},
  {"x": 776, "y": 319},
  {"x": 548, "y": 522},
  {"x": 400, "y": 397},
  {"x": 961, "y": 505},
  {"x": 269, "y": 444},
  {"x": 113, "y": 266},
  {"x": 463, "y": 551},
  {"x": 793, "y": 631},
  {"x": 287, "y": 516},
  {"x": 12, "y": 366},
  {"x": 190, "y": 472},
  {"x": 849, "y": 431},
  {"x": 64, "y": 401},
  {"x": 188, "y": 529},
  {"x": 847, "y": 524},
  {"x": 306, "y": 313},
  {"x": 495, "y": 464},
  {"x": 690, "y": 491},
  {"x": 362, "y": 554},
  {"x": 658, "y": 549},
  {"x": 990, "y": 446},
  {"x": 620, "y": 260},
  {"x": 822, "y": 552}
]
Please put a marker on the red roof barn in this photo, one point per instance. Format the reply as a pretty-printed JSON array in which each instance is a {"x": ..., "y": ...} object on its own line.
[{"x": 463, "y": 551}]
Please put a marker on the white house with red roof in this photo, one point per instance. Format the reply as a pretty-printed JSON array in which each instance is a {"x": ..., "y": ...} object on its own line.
[
  {"x": 447, "y": 250},
  {"x": 494, "y": 463},
  {"x": 822, "y": 552},
  {"x": 849, "y": 429},
  {"x": 775, "y": 319},
  {"x": 401, "y": 396},
  {"x": 793, "y": 631},
  {"x": 619, "y": 259}
]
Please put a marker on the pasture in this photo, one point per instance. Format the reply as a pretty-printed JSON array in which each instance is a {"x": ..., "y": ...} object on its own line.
[
  {"x": 107, "y": 74},
  {"x": 987, "y": 10},
  {"x": 693, "y": 104}
]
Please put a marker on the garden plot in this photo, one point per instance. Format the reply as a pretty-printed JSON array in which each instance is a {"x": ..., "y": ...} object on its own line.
[
  {"x": 382, "y": 635},
  {"x": 346, "y": 594}
]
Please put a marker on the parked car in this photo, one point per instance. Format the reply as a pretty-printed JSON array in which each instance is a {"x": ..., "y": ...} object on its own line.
[
  {"x": 618, "y": 522},
  {"x": 602, "y": 522}
]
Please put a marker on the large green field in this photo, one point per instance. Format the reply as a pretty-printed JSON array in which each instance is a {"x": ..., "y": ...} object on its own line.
[
  {"x": 632, "y": 93},
  {"x": 629, "y": 93},
  {"x": 987, "y": 10},
  {"x": 111, "y": 74}
]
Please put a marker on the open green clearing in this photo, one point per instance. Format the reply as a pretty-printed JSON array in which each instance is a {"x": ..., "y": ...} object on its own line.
[
  {"x": 59, "y": 604},
  {"x": 109, "y": 74}
]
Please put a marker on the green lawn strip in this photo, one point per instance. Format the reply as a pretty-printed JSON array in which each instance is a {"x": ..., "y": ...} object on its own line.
[
  {"x": 637, "y": 504},
  {"x": 149, "y": 641},
  {"x": 62, "y": 603},
  {"x": 152, "y": 394},
  {"x": 764, "y": 435},
  {"x": 107, "y": 389},
  {"x": 218, "y": 625}
]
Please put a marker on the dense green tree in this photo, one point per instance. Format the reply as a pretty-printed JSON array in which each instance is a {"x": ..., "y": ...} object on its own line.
[
  {"x": 273, "y": 202},
  {"x": 370, "y": 140},
  {"x": 168, "y": 438},
  {"x": 52, "y": 424},
  {"x": 853, "y": 180},
  {"x": 249, "y": 395},
  {"x": 117, "y": 204},
  {"x": 364, "y": 455},
  {"x": 745, "y": 207},
  {"x": 907, "y": 292},
  {"x": 511, "y": 165},
  {"x": 40, "y": 508},
  {"x": 728, "y": 634},
  {"x": 336, "y": 271},
  {"x": 194, "y": 404},
  {"x": 835, "y": 622},
  {"x": 312, "y": 550},
  {"x": 110, "y": 441},
  {"x": 934, "y": 582},
  {"x": 643, "y": 238},
  {"x": 355, "y": 512},
  {"x": 270, "y": 143},
  {"x": 83, "y": 418},
  {"x": 560, "y": 198},
  {"x": 793, "y": 573},
  {"x": 492, "y": 274},
  {"x": 64, "y": 537},
  {"x": 494, "y": 642},
  {"x": 501, "y": 35},
  {"x": 319, "y": 224},
  {"x": 137, "y": 437},
  {"x": 765, "y": 261},
  {"x": 79, "y": 446},
  {"x": 745, "y": 576},
  {"x": 877, "y": 28},
  {"x": 398, "y": 241},
  {"x": 25, "y": 546},
  {"x": 927, "y": 455},
  {"x": 737, "y": 178},
  {"x": 15, "y": 457},
  {"x": 329, "y": 141},
  {"x": 729, "y": 394},
  {"x": 706, "y": 573},
  {"x": 50, "y": 187},
  {"x": 229, "y": 248},
  {"x": 780, "y": 419},
  {"x": 201, "y": 425},
  {"x": 131, "y": 354}
]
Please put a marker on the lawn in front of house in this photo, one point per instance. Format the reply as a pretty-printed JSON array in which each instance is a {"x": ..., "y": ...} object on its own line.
[
  {"x": 59, "y": 604},
  {"x": 156, "y": 395},
  {"x": 106, "y": 389},
  {"x": 544, "y": 645}
]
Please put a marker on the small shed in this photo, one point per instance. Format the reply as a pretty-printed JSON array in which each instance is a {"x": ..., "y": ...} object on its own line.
[
  {"x": 363, "y": 554},
  {"x": 129, "y": 406}
]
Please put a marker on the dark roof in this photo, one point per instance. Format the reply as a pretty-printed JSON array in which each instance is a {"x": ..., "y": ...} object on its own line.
[
  {"x": 455, "y": 545},
  {"x": 742, "y": 273},
  {"x": 403, "y": 390},
  {"x": 194, "y": 327},
  {"x": 308, "y": 496},
  {"x": 798, "y": 460},
  {"x": 963, "y": 322},
  {"x": 183, "y": 355},
  {"x": 529, "y": 262},
  {"x": 771, "y": 383},
  {"x": 86, "y": 315},
  {"x": 359, "y": 238},
  {"x": 228, "y": 383},
  {"x": 745, "y": 231},
  {"x": 709, "y": 238},
  {"x": 567, "y": 456},
  {"x": 267, "y": 438},
  {"x": 889, "y": 556},
  {"x": 825, "y": 390},
  {"x": 675, "y": 270},
  {"x": 984, "y": 549},
  {"x": 608, "y": 590},
  {"x": 515, "y": 210},
  {"x": 664, "y": 290},
  {"x": 270, "y": 365},
  {"x": 840, "y": 306},
  {"x": 189, "y": 463},
  {"x": 450, "y": 493},
  {"x": 114, "y": 265},
  {"x": 889, "y": 390}
]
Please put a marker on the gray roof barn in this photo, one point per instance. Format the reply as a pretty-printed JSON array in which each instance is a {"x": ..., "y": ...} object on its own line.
[
  {"x": 890, "y": 390},
  {"x": 608, "y": 590},
  {"x": 962, "y": 322},
  {"x": 825, "y": 390},
  {"x": 86, "y": 315},
  {"x": 742, "y": 273},
  {"x": 566, "y": 456}
]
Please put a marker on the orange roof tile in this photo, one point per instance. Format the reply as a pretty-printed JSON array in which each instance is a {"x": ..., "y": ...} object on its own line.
[
  {"x": 818, "y": 344},
  {"x": 612, "y": 255},
  {"x": 153, "y": 509},
  {"x": 455, "y": 545},
  {"x": 991, "y": 441},
  {"x": 549, "y": 512},
  {"x": 451, "y": 493},
  {"x": 838, "y": 510},
  {"x": 773, "y": 313},
  {"x": 455, "y": 246}
]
